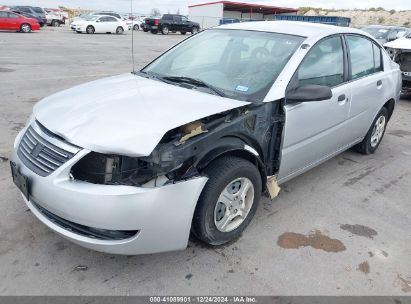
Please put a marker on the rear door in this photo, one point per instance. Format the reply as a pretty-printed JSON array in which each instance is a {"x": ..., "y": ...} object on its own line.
[
  {"x": 316, "y": 130},
  {"x": 13, "y": 21},
  {"x": 368, "y": 81},
  {"x": 177, "y": 24}
]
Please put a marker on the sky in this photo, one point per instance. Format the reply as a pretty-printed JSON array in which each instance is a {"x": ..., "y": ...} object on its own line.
[{"x": 144, "y": 6}]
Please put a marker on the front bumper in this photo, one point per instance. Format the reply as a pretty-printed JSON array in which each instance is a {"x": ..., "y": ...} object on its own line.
[
  {"x": 406, "y": 82},
  {"x": 162, "y": 215}
]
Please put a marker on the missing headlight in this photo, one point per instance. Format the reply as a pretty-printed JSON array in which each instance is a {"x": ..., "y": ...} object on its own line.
[{"x": 105, "y": 169}]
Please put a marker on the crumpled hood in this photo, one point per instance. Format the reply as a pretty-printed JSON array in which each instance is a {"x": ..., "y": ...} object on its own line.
[
  {"x": 400, "y": 44},
  {"x": 125, "y": 114}
]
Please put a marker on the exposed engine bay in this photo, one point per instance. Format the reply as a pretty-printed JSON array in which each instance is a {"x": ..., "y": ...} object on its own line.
[{"x": 253, "y": 132}]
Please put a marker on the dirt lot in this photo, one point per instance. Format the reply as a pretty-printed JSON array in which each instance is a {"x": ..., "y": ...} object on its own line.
[{"x": 343, "y": 228}]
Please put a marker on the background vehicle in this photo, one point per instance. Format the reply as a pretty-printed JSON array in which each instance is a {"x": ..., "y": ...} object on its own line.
[
  {"x": 40, "y": 21},
  {"x": 37, "y": 11},
  {"x": 101, "y": 24},
  {"x": 171, "y": 23},
  {"x": 385, "y": 33},
  {"x": 10, "y": 21},
  {"x": 89, "y": 15},
  {"x": 400, "y": 52},
  {"x": 331, "y": 20},
  {"x": 53, "y": 18}
]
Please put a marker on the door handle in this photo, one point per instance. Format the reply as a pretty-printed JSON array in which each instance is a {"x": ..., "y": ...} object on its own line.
[
  {"x": 341, "y": 98},
  {"x": 379, "y": 83}
]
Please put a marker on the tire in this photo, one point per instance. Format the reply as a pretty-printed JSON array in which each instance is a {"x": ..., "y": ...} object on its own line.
[
  {"x": 227, "y": 174},
  {"x": 25, "y": 28},
  {"x": 154, "y": 31},
  {"x": 145, "y": 30},
  {"x": 90, "y": 29},
  {"x": 375, "y": 134},
  {"x": 165, "y": 30},
  {"x": 183, "y": 33},
  {"x": 194, "y": 30},
  {"x": 136, "y": 27},
  {"x": 119, "y": 30},
  {"x": 55, "y": 23}
]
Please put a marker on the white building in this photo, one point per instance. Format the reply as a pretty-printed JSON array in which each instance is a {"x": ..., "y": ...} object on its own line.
[{"x": 212, "y": 13}]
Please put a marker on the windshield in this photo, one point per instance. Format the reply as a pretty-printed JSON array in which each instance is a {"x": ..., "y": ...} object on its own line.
[
  {"x": 376, "y": 32},
  {"x": 241, "y": 64}
]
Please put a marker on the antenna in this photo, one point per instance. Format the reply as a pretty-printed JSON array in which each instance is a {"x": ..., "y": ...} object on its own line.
[{"x": 132, "y": 34}]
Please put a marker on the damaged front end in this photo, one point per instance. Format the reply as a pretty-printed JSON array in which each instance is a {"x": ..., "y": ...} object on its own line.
[
  {"x": 403, "y": 58},
  {"x": 252, "y": 132}
]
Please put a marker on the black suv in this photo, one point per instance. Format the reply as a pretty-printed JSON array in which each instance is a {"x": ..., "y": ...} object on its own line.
[{"x": 171, "y": 23}]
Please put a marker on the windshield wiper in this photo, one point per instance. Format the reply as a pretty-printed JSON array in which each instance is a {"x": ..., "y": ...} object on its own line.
[{"x": 195, "y": 82}]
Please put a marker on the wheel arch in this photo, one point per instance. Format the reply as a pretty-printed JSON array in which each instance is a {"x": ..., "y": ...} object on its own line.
[{"x": 234, "y": 146}]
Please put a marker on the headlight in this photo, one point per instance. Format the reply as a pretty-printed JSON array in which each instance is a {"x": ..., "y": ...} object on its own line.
[{"x": 106, "y": 169}]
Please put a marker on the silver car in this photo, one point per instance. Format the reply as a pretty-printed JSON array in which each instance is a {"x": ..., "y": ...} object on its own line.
[{"x": 132, "y": 164}]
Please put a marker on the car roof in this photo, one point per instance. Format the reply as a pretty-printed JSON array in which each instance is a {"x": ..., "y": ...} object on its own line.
[
  {"x": 384, "y": 26},
  {"x": 298, "y": 28}
]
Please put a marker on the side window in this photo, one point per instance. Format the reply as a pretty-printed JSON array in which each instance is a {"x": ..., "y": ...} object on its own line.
[
  {"x": 103, "y": 19},
  {"x": 377, "y": 58},
  {"x": 177, "y": 19},
  {"x": 184, "y": 19},
  {"x": 11, "y": 15},
  {"x": 362, "y": 58},
  {"x": 3, "y": 15},
  {"x": 324, "y": 64},
  {"x": 111, "y": 19}
]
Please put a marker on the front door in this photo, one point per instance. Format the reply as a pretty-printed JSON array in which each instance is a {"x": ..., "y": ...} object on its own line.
[{"x": 316, "y": 130}]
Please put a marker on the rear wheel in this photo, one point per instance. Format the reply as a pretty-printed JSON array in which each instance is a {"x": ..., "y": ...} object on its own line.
[
  {"x": 375, "y": 134},
  {"x": 25, "y": 28},
  {"x": 228, "y": 202},
  {"x": 90, "y": 29},
  {"x": 154, "y": 31},
  {"x": 119, "y": 30},
  {"x": 194, "y": 30},
  {"x": 145, "y": 30},
  {"x": 165, "y": 30},
  {"x": 183, "y": 33},
  {"x": 55, "y": 23},
  {"x": 136, "y": 27}
]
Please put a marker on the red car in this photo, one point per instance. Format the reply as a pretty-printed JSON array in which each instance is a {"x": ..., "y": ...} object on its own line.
[{"x": 10, "y": 21}]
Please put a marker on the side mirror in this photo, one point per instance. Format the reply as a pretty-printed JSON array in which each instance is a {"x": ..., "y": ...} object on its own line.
[{"x": 309, "y": 92}]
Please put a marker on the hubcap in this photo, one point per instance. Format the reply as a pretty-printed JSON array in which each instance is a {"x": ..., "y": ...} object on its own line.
[
  {"x": 120, "y": 30},
  {"x": 25, "y": 28},
  {"x": 234, "y": 204},
  {"x": 165, "y": 30},
  {"x": 378, "y": 131}
]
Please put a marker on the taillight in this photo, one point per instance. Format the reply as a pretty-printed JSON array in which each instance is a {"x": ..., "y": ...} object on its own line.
[{"x": 156, "y": 22}]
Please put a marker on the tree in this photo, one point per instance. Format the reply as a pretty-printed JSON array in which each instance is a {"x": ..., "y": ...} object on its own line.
[{"x": 155, "y": 12}]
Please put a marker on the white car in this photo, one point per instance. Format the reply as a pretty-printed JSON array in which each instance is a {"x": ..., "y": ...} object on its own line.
[
  {"x": 400, "y": 51},
  {"x": 132, "y": 164},
  {"x": 101, "y": 24}
]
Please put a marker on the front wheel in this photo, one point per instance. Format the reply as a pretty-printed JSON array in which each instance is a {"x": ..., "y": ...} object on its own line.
[
  {"x": 154, "y": 31},
  {"x": 119, "y": 30},
  {"x": 145, "y": 30},
  {"x": 25, "y": 28},
  {"x": 194, "y": 30},
  {"x": 55, "y": 23},
  {"x": 136, "y": 27},
  {"x": 90, "y": 29},
  {"x": 228, "y": 202},
  {"x": 183, "y": 33},
  {"x": 375, "y": 134}
]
